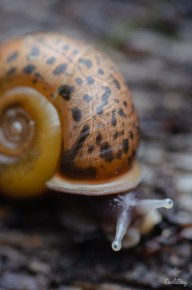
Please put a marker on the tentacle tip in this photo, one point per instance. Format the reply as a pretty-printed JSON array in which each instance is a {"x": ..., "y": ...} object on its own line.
[
  {"x": 168, "y": 203},
  {"x": 116, "y": 246}
]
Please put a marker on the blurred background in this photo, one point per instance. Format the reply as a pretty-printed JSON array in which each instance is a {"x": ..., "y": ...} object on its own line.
[{"x": 151, "y": 42}]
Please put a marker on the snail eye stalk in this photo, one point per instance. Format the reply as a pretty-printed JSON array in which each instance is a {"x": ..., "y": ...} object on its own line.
[{"x": 128, "y": 204}]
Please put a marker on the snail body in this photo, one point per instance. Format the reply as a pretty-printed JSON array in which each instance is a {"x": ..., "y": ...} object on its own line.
[{"x": 67, "y": 122}]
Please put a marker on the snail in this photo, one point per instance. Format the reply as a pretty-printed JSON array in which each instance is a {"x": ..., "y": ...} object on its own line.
[{"x": 68, "y": 123}]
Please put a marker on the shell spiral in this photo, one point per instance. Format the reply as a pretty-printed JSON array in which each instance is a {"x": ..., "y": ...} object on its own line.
[{"x": 66, "y": 103}]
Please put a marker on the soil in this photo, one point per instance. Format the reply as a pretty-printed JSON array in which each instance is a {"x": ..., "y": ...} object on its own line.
[{"x": 151, "y": 42}]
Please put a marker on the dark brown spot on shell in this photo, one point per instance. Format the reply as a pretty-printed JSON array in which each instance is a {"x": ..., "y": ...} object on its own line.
[
  {"x": 65, "y": 92},
  {"x": 38, "y": 75},
  {"x": 75, "y": 51},
  {"x": 99, "y": 110},
  {"x": 28, "y": 69},
  {"x": 79, "y": 81},
  {"x": 11, "y": 71},
  {"x": 65, "y": 47},
  {"x": 87, "y": 98},
  {"x": 98, "y": 138},
  {"x": 12, "y": 56},
  {"x": 34, "y": 51},
  {"x": 106, "y": 152},
  {"x": 77, "y": 172},
  {"x": 51, "y": 60},
  {"x": 131, "y": 135},
  {"x": 121, "y": 113},
  {"x": 69, "y": 156},
  {"x": 67, "y": 159},
  {"x": 125, "y": 145},
  {"x": 113, "y": 120},
  {"x": 90, "y": 80},
  {"x": 100, "y": 71},
  {"x": 116, "y": 82},
  {"x": 90, "y": 148},
  {"x": 115, "y": 135},
  {"x": 87, "y": 62},
  {"x": 105, "y": 96},
  {"x": 125, "y": 103},
  {"x": 76, "y": 114},
  {"x": 119, "y": 154},
  {"x": 60, "y": 69},
  {"x": 83, "y": 136}
]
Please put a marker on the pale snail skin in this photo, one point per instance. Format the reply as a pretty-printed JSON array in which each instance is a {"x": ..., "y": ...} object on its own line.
[{"x": 67, "y": 122}]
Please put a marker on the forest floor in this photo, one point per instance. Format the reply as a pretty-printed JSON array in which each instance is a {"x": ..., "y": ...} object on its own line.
[{"x": 152, "y": 45}]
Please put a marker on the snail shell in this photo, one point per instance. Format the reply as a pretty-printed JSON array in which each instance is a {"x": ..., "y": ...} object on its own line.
[{"x": 67, "y": 121}]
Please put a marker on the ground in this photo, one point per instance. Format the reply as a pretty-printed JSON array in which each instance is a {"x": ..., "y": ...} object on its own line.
[{"x": 152, "y": 44}]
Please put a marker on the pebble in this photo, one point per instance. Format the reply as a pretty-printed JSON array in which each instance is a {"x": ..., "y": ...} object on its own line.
[
  {"x": 182, "y": 161},
  {"x": 183, "y": 183},
  {"x": 187, "y": 233},
  {"x": 107, "y": 286},
  {"x": 39, "y": 267},
  {"x": 183, "y": 218},
  {"x": 152, "y": 154},
  {"x": 19, "y": 282},
  {"x": 68, "y": 288},
  {"x": 185, "y": 202},
  {"x": 21, "y": 239}
]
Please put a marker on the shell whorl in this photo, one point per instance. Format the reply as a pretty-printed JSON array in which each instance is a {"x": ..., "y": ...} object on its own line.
[
  {"x": 99, "y": 125},
  {"x": 16, "y": 131}
]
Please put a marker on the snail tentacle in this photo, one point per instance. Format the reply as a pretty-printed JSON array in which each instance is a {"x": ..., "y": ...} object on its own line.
[
  {"x": 128, "y": 204},
  {"x": 145, "y": 205},
  {"x": 125, "y": 203},
  {"x": 123, "y": 222}
]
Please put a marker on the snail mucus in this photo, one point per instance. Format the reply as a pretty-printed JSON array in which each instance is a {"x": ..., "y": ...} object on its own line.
[{"x": 68, "y": 123}]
